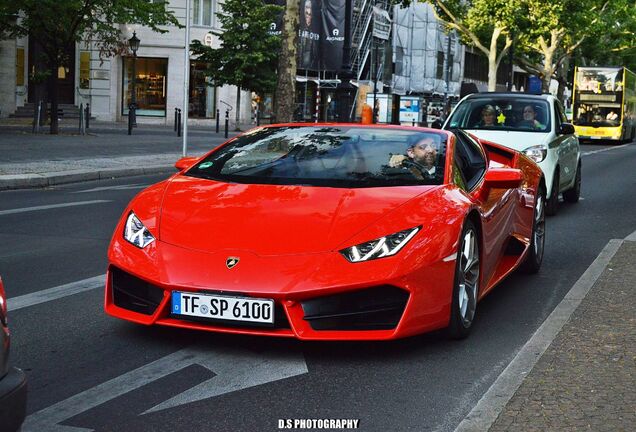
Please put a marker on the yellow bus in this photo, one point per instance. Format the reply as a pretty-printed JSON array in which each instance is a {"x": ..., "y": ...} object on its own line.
[{"x": 604, "y": 103}]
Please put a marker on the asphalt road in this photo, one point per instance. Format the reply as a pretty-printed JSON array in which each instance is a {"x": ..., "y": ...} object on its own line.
[{"x": 91, "y": 371}]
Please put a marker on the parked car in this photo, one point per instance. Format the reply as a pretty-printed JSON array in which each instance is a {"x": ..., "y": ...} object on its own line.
[
  {"x": 328, "y": 231},
  {"x": 13, "y": 387},
  {"x": 533, "y": 124}
]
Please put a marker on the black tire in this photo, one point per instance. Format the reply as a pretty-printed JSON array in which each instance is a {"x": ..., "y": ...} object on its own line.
[
  {"x": 466, "y": 283},
  {"x": 552, "y": 203},
  {"x": 572, "y": 195},
  {"x": 534, "y": 257}
]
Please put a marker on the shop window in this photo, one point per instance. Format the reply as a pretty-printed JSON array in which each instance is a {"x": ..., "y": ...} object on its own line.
[
  {"x": 85, "y": 69},
  {"x": 440, "y": 64},
  {"x": 202, "y": 102},
  {"x": 19, "y": 67},
  {"x": 151, "y": 86}
]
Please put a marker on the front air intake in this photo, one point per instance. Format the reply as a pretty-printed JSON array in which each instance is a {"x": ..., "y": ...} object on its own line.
[
  {"x": 377, "y": 308},
  {"x": 134, "y": 294}
]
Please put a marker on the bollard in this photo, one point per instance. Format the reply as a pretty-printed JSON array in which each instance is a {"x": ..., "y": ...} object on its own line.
[
  {"x": 413, "y": 122},
  {"x": 175, "y": 118},
  {"x": 258, "y": 117},
  {"x": 227, "y": 121},
  {"x": 217, "y": 120},
  {"x": 178, "y": 122},
  {"x": 130, "y": 123},
  {"x": 81, "y": 119},
  {"x": 88, "y": 114},
  {"x": 36, "y": 118}
]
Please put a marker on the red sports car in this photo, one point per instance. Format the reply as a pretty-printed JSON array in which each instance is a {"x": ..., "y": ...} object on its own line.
[{"x": 328, "y": 231}]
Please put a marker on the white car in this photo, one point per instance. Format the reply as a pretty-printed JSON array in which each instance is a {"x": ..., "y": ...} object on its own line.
[{"x": 533, "y": 124}]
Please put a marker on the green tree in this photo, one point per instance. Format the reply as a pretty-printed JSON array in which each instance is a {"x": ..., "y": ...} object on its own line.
[
  {"x": 285, "y": 97},
  {"x": 552, "y": 31},
  {"x": 248, "y": 54},
  {"x": 485, "y": 24},
  {"x": 58, "y": 25}
]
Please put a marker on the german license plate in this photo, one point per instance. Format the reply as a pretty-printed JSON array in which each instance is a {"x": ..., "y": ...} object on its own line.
[{"x": 231, "y": 308}]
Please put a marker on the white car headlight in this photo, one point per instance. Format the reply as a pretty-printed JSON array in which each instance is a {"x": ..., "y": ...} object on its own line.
[
  {"x": 536, "y": 153},
  {"x": 136, "y": 233},
  {"x": 379, "y": 248}
]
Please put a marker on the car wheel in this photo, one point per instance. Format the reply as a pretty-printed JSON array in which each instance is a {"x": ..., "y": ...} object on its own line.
[
  {"x": 552, "y": 203},
  {"x": 572, "y": 195},
  {"x": 466, "y": 285},
  {"x": 534, "y": 257}
]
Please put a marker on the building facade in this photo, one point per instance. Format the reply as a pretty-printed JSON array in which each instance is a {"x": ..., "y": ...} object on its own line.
[{"x": 105, "y": 83}]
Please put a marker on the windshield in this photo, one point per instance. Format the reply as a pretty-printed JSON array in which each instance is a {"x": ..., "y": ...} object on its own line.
[
  {"x": 510, "y": 114},
  {"x": 329, "y": 156},
  {"x": 604, "y": 114}
]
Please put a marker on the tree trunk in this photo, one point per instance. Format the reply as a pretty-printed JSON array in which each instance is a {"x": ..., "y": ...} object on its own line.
[
  {"x": 238, "y": 109},
  {"x": 55, "y": 127},
  {"x": 548, "y": 70},
  {"x": 285, "y": 97},
  {"x": 492, "y": 71}
]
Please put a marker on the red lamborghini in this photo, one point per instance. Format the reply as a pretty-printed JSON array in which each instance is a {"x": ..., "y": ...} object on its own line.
[{"x": 328, "y": 231}]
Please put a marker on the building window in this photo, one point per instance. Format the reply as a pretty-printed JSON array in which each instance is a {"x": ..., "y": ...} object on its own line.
[
  {"x": 475, "y": 66},
  {"x": 202, "y": 102},
  {"x": 19, "y": 67},
  {"x": 202, "y": 12},
  {"x": 440, "y": 64},
  {"x": 151, "y": 86},
  {"x": 84, "y": 69}
]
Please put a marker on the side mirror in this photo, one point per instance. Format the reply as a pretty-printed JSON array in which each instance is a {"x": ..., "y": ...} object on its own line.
[
  {"x": 503, "y": 178},
  {"x": 566, "y": 129},
  {"x": 185, "y": 162}
]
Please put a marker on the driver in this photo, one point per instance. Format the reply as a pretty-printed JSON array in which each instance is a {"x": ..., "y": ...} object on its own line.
[{"x": 420, "y": 158}]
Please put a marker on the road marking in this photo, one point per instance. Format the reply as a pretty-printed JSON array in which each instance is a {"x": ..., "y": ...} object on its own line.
[
  {"x": 234, "y": 369},
  {"x": 631, "y": 237},
  {"x": 51, "y": 206},
  {"x": 55, "y": 293},
  {"x": 602, "y": 150},
  {"x": 105, "y": 188},
  {"x": 484, "y": 414}
]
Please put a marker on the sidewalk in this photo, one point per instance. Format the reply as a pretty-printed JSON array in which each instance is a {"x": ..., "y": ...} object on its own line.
[
  {"x": 38, "y": 160},
  {"x": 586, "y": 379}
]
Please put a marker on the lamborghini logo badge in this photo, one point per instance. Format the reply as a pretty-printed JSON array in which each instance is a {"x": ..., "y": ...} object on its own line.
[{"x": 231, "y": 261}]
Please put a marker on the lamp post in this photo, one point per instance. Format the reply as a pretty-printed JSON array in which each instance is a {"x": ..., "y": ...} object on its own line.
[{"x": 133, "y": 43}]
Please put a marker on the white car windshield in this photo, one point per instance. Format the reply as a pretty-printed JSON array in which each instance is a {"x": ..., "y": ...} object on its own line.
[
  {"x": 331, "y": 156},
  {"x": 497, "y": 113}
]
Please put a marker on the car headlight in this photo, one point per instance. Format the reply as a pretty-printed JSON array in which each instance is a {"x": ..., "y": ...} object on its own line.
[
  {"x": 536, "y": 153},
  {"x": 136, "y": 233},
  {"x": 379, "y": 248}
]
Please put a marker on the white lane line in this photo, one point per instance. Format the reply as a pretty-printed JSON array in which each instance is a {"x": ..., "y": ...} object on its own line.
[
  {"x": 51, "y": 206},
  {"x": 55, "y": 293},
  {"x": 115, "y": 188},
  {"x": 483, "y": 415},
  {"x": 602, "y": 150}
]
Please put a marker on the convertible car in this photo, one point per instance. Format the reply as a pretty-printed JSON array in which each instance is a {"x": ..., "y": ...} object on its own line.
[{"x": 328, "y": 231}]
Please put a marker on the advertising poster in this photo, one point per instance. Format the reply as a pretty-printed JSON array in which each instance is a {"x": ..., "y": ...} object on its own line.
[
  {"x": 309, "y": 29},
  {"x": 383, "y": 107},
  {"x": 333, "y": 30},
  {"x": 409, "y": 110}
]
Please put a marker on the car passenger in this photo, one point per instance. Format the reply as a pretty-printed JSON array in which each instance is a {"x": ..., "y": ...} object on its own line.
[
  {"x": 529, "y": 119},
  {"x": 488, "y": 117}
]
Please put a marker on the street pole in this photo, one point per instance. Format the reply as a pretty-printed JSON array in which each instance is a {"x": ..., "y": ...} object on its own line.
[
  {"x": 375, "y": 79},
  {"x": 186, "y": 75},
  {"x": 448, "y": 67},
  {"x": 510, "y": 60}
]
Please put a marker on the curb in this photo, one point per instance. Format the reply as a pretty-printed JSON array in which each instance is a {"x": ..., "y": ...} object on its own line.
[{"x": 28, "y": 181}]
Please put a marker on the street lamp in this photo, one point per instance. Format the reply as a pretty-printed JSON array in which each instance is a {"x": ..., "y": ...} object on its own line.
[{"x": 133, "y": 43}]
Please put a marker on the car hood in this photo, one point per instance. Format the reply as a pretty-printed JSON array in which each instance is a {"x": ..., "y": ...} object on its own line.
[
  {"x": 211, "y": 216},
  {"x": 514, "y": 139}
]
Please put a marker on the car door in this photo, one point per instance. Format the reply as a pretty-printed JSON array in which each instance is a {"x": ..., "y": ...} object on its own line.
[
  {"x": 562, "y": 145},
  {"x": 496, "y": 206},
  {"x": 568, "y": 149}
]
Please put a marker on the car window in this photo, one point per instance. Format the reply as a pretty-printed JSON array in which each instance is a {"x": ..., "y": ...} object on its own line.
[
  {"x": 469, "y": 159},
  {"x": 329, "y": 156},
  {"x": 502, "y": 113}
]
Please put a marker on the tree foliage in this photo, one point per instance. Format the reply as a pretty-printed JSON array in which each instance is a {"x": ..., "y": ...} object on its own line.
[{"x": 247, "y": 56}]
